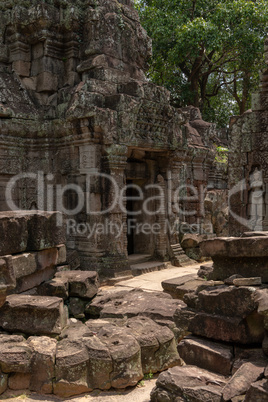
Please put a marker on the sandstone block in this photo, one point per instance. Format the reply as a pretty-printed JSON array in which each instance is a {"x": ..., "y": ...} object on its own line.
[
  {"x": 82, "y": 284},
  {"x": 30, "y": 231},
  {"x": 23, "y": 264},
  {"x": 258, "y": 391},
  {"x": 248, "y": 355},
  {"x": 38, "y": 315},
  {"x": 47, "y": 82},
  {"x": 57, "y": 287},
  {"x": 100, "y": 363},
  {"x": 18, "y": 381},
  {"x": 227, "y": 301},
  {"x": 190, "y": 241},
  {"x": 13, "y": 233},
  {"x": 7, "y": 275},
  {"x": 125, "y": 354},
  {"x": 15, "y": 354},
  {"x": 235, "y": 247},
  {"x": 77, "y": 307},
  {"x": 190, "y": 383},
  {"x": 22, "y": 68},
  {"x": 62, "y": 254},
  {"x": 132, "y": 303},
  {"x": 46, "y": 230},
  {"x": 241, "y": 380},
  {"x": 42, "y": 363},
  {"x": 247, "y": 281},
  {"x": 158, "y": 346},
  {"x": 71, "y": 369},
  {"x": 212, "y": 356},
  {"x": 170, "y": 285},
  {"x": 228, "y": 329}
]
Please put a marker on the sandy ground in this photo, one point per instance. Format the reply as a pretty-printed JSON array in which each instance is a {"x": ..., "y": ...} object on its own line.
[{"x": 140, "y": 393}]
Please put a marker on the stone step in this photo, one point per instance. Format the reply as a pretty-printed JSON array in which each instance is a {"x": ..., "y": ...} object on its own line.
[
  {"x": 213, "y": 356},
  {"x": 145, "y": 267},
  {"x": 139, "y": 258},
  {"x": 34, "y": 315},
  {"x": 177, "y": 287},
  {"x": 180, "y": 259}
]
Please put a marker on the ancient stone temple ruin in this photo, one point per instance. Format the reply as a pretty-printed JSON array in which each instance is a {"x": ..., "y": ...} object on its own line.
[
  {"x": 83, "y": 131},
  {"x": 248, "y": 168}
]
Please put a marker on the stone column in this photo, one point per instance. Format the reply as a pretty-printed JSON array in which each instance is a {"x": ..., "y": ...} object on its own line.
[{"x": 115, "y": 263}]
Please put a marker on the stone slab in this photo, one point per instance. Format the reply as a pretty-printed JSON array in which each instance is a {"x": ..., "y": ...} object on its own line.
[
  {"x": 36, "y": 315},
  {"x": 241, "y": 381},
  {"x": 229, "y": 301},
  {"x": 170, "y": 285},
  {"x": 235, "y": 247},
  {"x": 228, "y": 329},
  {"x": 84, "y": 284},
  {"x": 212, "y": 356},
  {"x": 155, "y": 305},
  {"x": 188, "y": 383},
  {"x": 30, "y": 231}
]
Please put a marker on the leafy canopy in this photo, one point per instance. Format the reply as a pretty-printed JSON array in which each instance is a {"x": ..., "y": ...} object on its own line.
[{"x": 207, "y": 53}]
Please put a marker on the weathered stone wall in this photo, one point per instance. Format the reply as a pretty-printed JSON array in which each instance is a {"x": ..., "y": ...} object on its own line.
[
  {"x": 248, "y": 169},
  {"x": 75, "y": 104}
]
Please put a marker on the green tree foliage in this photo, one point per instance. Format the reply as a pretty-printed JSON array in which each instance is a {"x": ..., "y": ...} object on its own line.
[{"x": 208, "y": 53}]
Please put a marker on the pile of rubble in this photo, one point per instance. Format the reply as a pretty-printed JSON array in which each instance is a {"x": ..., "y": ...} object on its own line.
[
  {"x": 111, "y": 340},
  {"x": 226, "y": 351}
]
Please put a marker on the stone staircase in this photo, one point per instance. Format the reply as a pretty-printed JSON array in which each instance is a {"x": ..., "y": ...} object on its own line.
[
  {"x": 179, "y": 258},
  {"x": 143, "y": 263}
]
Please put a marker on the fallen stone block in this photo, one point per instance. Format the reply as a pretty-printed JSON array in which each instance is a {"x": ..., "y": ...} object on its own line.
[
  {"x": 126, "y": 356},
  {"x": 18, "y": 381},
  {"x": 36, "y": 315},
  {"x": 227, "y": 301},
  {"x": 256, "y": 281},
  {"x": 206, "y": 271},
  {"x": 170, "y": 285},
  {"x": 241, "y": 381},
  {"x": 158, "y": 346},
  {"x": 178, "y": 287},
  {"x": 57, "y": 287},
  {"x": 100, "y": 364},
  {"x": 258, "y": 391},
  {"x": 188, "y": 383},
  {"x": 212, "y": 356},
  {"x": 82, "y": 284},
  {"x": 71, "y": 370},
  {"x": 228, "y": 329},
  {"x": 131, "y": 303},
  {"x": 76, "y": 307},
  {"x": 15, "y": 354},
  {"x": 235, "y": 247},
  {"x": 248, "y": 355},
  {"x": 42, "y": 363},
  {"x": 182, "y": 318}
]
